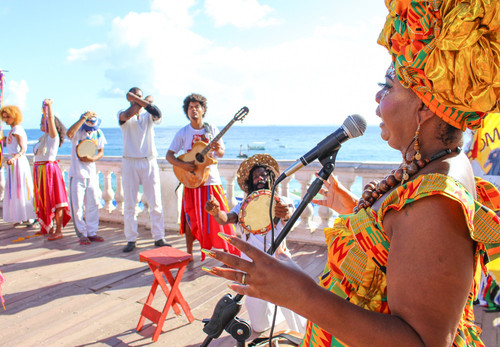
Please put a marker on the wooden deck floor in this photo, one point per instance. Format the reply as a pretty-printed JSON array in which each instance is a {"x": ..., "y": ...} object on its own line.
[{"x": 60, "y": 293}]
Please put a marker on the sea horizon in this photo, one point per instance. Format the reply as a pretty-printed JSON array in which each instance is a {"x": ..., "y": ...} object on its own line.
[{"x": 285, "y": 142}]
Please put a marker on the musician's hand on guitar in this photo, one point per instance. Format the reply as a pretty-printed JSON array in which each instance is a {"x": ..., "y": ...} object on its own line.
[
  {"x": 212, "y": 206},
  {"x": 189, "y": 166},
  {"x": 217, "y": 149}
]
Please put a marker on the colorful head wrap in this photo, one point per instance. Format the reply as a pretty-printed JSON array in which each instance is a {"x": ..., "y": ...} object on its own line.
[{"x": 448, "y": 53}]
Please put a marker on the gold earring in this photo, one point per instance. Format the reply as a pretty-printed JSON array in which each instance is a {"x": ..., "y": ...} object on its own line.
[{"x": 416, "y": 145}]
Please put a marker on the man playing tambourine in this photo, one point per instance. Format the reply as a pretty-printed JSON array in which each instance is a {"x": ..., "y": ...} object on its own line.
[
  {"x": 83, "y": 178},
  {"x": 255, "y": 174}
]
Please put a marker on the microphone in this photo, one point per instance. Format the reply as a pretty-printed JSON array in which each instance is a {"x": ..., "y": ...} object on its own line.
[{"x": 353, "y": 126}]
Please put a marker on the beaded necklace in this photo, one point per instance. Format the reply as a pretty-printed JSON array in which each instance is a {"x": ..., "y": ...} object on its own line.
[{"x": 375, "y": 189}]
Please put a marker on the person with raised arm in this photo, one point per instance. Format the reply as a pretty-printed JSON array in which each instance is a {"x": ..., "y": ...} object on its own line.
[
  {"x": 139, "y": 167},
  {"x": 83, "y": 179},
  {"x": 51, "y": 199}
]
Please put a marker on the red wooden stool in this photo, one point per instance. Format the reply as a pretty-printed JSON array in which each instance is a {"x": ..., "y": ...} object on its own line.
[{"x": 161, "y": 260}]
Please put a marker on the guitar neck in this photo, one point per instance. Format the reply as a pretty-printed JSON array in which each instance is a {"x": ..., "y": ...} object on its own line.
[{"x": 218, "y": 136}]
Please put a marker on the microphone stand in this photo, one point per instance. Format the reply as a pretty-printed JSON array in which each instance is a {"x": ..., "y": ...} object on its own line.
[{"x": 224, "y": 316}]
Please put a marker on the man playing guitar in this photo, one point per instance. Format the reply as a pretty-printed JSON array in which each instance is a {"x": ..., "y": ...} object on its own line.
[{"x": 196, "y": 223}]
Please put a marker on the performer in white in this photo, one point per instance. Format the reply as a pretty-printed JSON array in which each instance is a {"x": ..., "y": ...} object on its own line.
[
  {"x": 256, "y": 173},
  {"x": 139, "y": 166},
  {"x": 83, "y": 179},
  {"x": 18, "y": 195}
]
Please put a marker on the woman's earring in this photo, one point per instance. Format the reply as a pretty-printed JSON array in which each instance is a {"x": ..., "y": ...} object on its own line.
[{"x": 416, "y": 145}]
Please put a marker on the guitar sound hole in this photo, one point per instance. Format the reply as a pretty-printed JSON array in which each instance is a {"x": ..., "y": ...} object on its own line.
[{"x": 200, "y": 158}]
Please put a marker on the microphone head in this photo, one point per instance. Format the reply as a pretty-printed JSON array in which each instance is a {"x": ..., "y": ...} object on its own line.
[{"x": 354, "y": 125}]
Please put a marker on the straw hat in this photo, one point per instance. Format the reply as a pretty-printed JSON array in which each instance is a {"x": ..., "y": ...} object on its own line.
[{"x": 247, "y": 165}]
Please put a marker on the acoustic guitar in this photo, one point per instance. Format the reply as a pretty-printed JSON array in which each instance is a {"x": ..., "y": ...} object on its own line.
[{"x": 199, "y": 154}]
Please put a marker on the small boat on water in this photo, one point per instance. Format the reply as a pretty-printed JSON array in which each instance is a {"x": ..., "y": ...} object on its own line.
[
  {"x": 241, "y": 154},
  {"x": 256, "y": 146}
]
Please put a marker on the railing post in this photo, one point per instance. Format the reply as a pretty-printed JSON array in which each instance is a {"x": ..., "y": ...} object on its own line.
[
  {"x": 119, "y": 194},
  {"x": 305, "y": 226},
  {"x": 107, "y": 193}
]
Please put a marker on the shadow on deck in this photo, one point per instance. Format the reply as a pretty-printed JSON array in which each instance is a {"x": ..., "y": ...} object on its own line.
[{"x": 61, "y": 293}]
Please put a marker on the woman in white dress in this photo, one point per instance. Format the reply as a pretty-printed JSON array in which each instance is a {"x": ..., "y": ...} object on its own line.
[{"x": 18, "y": 196}]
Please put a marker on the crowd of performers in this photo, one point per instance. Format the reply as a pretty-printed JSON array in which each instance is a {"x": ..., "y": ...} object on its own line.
[{"x": 430, "y": 217}]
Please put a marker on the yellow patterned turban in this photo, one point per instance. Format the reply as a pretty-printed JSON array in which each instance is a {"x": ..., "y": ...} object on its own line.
[{"x": 448, "y": 53}]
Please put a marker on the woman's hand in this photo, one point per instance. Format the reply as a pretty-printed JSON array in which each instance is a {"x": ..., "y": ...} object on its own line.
[
  {"x": 265, "y": 277},
  {"x": 338, "y": 197}
]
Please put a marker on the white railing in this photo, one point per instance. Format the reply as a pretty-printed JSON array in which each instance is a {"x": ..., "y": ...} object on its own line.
[{"x": 308, "y": 229}]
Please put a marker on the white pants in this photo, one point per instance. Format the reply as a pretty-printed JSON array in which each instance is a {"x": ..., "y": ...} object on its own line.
[
  {"x": 84, "y": 197},
  {"x": 261, "y": 316},
  {"x": 134, "y": 173}
]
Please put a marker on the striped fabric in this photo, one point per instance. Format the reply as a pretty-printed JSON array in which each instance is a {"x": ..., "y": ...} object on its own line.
[
  {"x": 358, "y": 250},
  {"x": 49, "y": 194},
  {"x": 203, "y": 226}
]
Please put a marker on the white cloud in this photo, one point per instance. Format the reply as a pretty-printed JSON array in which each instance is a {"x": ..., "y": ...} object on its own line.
[
  {"x": 240, "y": 13},
  {"x": 90, "y": 52},
  {"x": 175, "y": 12},
  {"x": 15, "y": 93},
  {"x": 316, "y": 79}
]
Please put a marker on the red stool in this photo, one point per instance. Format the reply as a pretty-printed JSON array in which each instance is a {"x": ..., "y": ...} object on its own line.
[{"x": 161, "y": 260}]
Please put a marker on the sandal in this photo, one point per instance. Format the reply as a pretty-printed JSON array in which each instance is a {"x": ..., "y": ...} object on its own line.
[
  {"x": 96, "y": 238},
  {"x": 84, "y": 241},
  {"x": 54, "y": 237}
]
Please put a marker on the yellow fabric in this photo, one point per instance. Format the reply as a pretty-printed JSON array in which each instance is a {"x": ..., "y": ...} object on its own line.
[{"x": 448, "y": 52}]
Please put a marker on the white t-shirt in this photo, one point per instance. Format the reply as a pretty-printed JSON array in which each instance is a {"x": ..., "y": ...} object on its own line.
[
  {"x": 261, "y": 240},
  {"x": 186, "y": 137},
  {"x": 46, "y": 148},
  {"x": 138, "y": 136},
  {"x": 12, "y": 145},
  {"x": 82, "y": 169}
]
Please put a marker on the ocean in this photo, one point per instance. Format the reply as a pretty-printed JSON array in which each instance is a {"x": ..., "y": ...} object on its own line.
[{"x": 282, "y": 142}]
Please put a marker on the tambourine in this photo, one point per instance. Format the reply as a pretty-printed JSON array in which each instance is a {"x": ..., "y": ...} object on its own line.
[
  {"x": 254, "y": 213},
  {"x": 86, "y": 148}
]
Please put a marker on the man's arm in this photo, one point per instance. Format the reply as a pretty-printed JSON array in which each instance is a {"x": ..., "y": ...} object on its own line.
[
  {"x": 221, "y": 217},
  {"x": 78, "y": 124}
]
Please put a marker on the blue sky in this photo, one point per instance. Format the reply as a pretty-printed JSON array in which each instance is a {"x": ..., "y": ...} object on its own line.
[{"x": 291, "y": 62}]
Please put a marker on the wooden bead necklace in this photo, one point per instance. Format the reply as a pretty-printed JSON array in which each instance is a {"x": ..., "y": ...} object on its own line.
[{"x": 375, "y": 189}]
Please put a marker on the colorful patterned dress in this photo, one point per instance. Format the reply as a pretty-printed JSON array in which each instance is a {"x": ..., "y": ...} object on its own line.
[
  {"x": 358, "y": 249},
  {"x": 50, "y": 191}
]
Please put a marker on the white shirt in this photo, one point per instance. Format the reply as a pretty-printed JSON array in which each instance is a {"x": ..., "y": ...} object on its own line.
[
  {"x": 12, "y": 145},
  {"x": 261, "y": 240},
  {"x": 46, "y": 148},
  {"x": 82, "y": 169},
  {"x": 186, "y": 137},
  {"x": 138, "y": 136}
]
